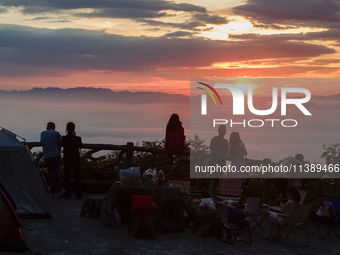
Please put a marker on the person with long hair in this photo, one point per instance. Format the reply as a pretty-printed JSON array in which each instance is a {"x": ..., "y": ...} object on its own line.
[
  {"x": 174, "y": 137},
  {"x": 237, "y": 151},
  {"x": 71, "y": 144}
]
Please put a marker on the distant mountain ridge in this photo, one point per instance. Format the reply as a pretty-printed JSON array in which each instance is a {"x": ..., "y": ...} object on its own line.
[
  {"x": 94, "y": 94},
  {"x": 104, "y": 94}
]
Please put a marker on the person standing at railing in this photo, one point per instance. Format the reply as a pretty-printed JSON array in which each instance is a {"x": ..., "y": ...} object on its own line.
[
  {"x": 237, "y": 151},
  {"x": 174, "y": 137},
  {"x": 283, "y": 179},
  {"x": 218, "y": 148},
  {"x": 50, "y": 142},
  {"x": 71, "y": 144}
]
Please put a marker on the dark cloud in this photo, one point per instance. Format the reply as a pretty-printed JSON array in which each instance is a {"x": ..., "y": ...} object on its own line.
[
  {"x": 152, "y": 5},
  {"x": 273, "y": 26},
  {"x": 49, "y": 19},
  {"x": 325, "y": 61},
  {"x": 275, "y": 62},
  {"x": 145, "y": 16},
  {"x": 138, "y": 10},
  {"x": 23, "y": 48},
  {"x": 31, "y": 10},
  {"x": 41, "y": 18},
  {"x": 3, "y": 10},
  {"x": 319, "y": 13},
  {"x": 239, "y": 71},
  {"x": 179, "y": 34},
  {"x": 59, "y": 21},
  {"x": 211, "y": 19},
  {"x": 332, "y": 34},
  {"x": 122, "y": 13},
  {"x": 197, "y": 23},
  {"x": 189, "y": 25}
]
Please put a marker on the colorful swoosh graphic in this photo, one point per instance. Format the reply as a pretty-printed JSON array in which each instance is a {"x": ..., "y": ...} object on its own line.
[{"x": 218, "y": 96}]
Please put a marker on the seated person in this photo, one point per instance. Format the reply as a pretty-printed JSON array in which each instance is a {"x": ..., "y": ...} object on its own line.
[{"x": 287, "y": 209}]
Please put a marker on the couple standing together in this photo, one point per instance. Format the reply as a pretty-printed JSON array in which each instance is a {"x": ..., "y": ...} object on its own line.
[
  {"x": 52, "y": 142},
  {"x": 221, "y": 149}
]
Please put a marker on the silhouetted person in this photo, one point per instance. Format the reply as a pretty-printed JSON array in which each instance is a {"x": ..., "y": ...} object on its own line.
[
  {"x": 298, "y": 182},
  {"x": 237, "y": 151},
  {"x": 218, "y": 148},
  {"x": 50, "y": 142},
  {"x": 286, "y": 209},
  {"x": 174, "y": 137},
  {"x": 71, "y": 144},
  {"x": 281, "y": 181}
]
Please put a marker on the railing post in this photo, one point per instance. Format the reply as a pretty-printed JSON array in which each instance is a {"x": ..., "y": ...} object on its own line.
[{"x": 129, "y": 155}]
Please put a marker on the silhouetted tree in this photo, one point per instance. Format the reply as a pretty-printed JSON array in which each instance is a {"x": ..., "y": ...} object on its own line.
[{"x": 332, "y": 156}]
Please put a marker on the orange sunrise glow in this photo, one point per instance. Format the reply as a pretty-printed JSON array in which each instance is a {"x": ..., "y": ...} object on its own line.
[{"x": 161, "y": 48}]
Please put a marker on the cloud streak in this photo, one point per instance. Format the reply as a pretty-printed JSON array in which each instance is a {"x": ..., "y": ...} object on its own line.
[
  {"x": 288, "y": 13},
  {"x": 121, "y": 9},
  {"x": 328, "y": 35},
  {"x": 152, "y": 5},
  {"x": 27, "y": 48}
]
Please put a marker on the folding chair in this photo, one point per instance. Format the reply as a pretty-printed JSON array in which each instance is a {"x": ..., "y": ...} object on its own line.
[
  {"x": 231, "y": 228},
  {"x": 230, "y": 188},
  {"x": 298, "y": 219},
  {"x": 184, "y": 185},
  {"x": 330, "y": 224},
  {"x": 303, "y": 194}
]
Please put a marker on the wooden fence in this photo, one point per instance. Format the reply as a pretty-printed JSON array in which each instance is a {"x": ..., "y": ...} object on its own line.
[{"x": 129, "y": 149}]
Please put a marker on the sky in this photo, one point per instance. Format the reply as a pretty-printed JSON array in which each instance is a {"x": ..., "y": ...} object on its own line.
[{"x": 158, "y": 45}]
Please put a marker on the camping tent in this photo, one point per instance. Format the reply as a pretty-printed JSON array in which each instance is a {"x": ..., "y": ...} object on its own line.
[
  {"x": 20, "y": 177},
  {"x": 11, "y": 235}
]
